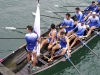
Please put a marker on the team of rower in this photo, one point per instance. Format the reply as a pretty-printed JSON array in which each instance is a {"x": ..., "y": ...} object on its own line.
[{"x": 71, "y": 31}]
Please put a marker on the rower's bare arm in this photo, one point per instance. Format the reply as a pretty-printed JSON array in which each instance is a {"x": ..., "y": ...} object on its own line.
[
  {"x": 67, "y": 40},
  {"x": 39, "y": 40},
  {"x": 58, "y": 38},
  {"x": 69, "y": 33},
  {"x": 88, "y": 22},
  {"x": 50, "y": 35}
]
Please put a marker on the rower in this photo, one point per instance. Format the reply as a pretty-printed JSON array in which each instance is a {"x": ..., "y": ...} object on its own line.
[
  {"x": 64, "y": 45},
  {"x": 78, "y": 32},
  {"x": 78, "y": 14},
  {"x": 52, "y": 38},
  {"x": 92, "y": 7},
  {"x": 67, "y": 24},
  {"x": 93, "y": 22},
  {"x": 98, "y": 2},
  {"x": 31, "y": 42},
  {"x": 98, "y": 10}
]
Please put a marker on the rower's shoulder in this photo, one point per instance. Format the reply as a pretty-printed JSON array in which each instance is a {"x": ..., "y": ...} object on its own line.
[
  {"x": 97, "y": 17},
  {"x": 80, "y": 12},
  {"x": 31, "y": 34},
  {"x": 71, "y": 19},
  {"x": 90, "y": 17}
]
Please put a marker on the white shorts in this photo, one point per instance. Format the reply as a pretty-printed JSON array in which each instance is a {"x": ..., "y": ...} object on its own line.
[
  {"x": 80, "y": 36},
  {"x": 33, "y": 51},
  {"x": 63, "y": 47},
  {"x": 49, "y": 39}
]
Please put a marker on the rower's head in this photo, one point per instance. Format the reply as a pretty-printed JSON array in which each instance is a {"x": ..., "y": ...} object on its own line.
[
  {"x": 29, "y": 29},
  {"x": 62, "y": 34},
  {"x": 53, "y": 26},
  {"x": 67, "y": 16},
  {"x": 77, "y": 9},
  {"x": 94, "y": 14},
  {"x": 82, "y": 23},
  {"x": 93, "y": 3}
]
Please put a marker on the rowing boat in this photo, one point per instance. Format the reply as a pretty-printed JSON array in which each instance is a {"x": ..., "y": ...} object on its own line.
[{"x": 16, "y": 61}]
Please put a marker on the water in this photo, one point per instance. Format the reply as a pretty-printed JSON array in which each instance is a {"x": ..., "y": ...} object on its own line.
[{"x": 18, "y": 13}]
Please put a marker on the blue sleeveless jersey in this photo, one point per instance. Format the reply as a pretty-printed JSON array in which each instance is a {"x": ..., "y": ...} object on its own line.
[
  {"x": 31, "y": 40},
  {"x": 69, "y": 23},
  {"x": 49, "y": 39},
  {"x": 63, "y": 42},
  {"x": 93, "y": 21},
  {"x": 80, "y": 29}
]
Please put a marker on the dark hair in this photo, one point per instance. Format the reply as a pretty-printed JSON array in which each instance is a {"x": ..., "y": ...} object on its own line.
[
  {"x": 53, "y": 26},
  {"x": 62, "y": 33},
  {"x": 30, "y": 28},
  {"x": 77, "y": 8},
  {"x": 93, "y": 2},
  {"x": 68, "y": 14}
]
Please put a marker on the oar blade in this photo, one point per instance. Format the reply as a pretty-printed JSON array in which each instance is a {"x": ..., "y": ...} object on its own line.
[
  {"x": 10, "y": 28},
  {"x": 33, "y": 13}
]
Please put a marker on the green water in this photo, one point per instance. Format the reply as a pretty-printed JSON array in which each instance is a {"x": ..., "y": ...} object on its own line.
[{"x": 18, "y": 13}]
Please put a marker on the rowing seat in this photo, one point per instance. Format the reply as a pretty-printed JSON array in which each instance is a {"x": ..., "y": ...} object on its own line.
[{"x": 21, "y": 57}]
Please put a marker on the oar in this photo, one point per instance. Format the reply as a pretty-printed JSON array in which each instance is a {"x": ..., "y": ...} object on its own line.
[
  {"x": 60, "y": 12},
  {"x": 14, "y": 28},
  {"x": 70, "y": 6},
  {"x": 89, "y": 48},
  {"x": 12, "y": 38},
  {"x": 72, "y": 63},
  {"x": 22, "y": 38},
  {"x": 46, "y": 16}
]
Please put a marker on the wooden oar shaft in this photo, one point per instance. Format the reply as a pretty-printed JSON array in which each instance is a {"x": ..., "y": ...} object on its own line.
[
  {"x": 72, "y": 63},
  {"x": 88, "y": 48},
  {"x": 46, "y": 57},
  {"x": 76, "y": 6},
  {"x": 23, "y": 38},
  {"x": 12, "y": 38},
  {"x": 64, "y": 12},
  {"x": 50, "y": 17}
]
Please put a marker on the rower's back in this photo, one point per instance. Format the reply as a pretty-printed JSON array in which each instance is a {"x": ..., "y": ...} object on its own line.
[{"x": 31, "y": 39}]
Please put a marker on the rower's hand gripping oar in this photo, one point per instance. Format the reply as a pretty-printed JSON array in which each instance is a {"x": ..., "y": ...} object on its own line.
[
  {"x": 72, "y": 63},
  {"x": 88, "y": 47}
]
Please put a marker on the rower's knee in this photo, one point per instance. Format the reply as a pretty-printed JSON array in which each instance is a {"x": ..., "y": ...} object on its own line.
[
  {"x": 49, "y": 47},
  {"x": 53, "y": 49},
  {"x": 62, "y": 54}
]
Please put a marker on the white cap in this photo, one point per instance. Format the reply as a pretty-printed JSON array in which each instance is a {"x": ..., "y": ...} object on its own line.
[{"x": 93, "y": 13}]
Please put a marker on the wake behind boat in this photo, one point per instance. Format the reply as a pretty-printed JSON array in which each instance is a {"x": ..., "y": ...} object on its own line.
[{"x": 16, "y": 61}]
